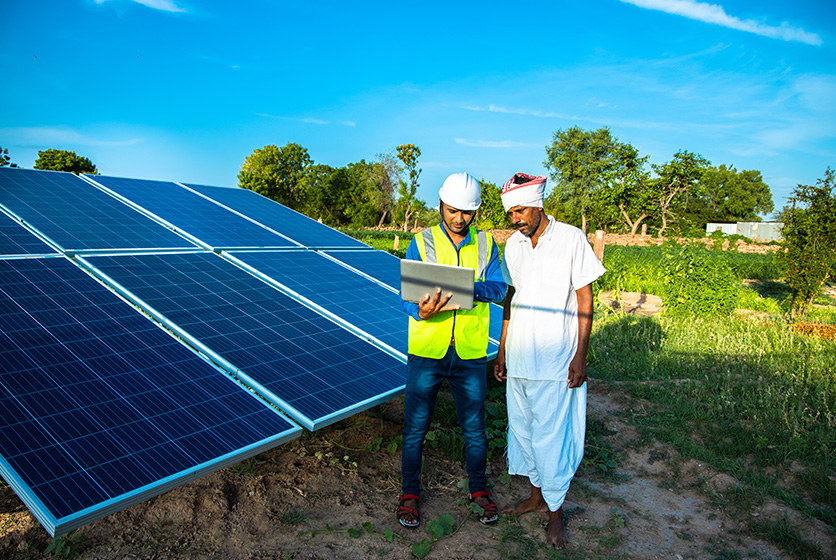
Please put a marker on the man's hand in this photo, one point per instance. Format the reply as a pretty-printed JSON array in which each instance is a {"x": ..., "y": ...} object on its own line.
[
  {"x": 577, "y": 371},
  {"x": 500, "y": 372},
  {"x": 430, "y": 306}
]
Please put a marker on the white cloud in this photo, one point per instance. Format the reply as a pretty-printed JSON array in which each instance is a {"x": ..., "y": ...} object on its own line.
[
  {"x": 715, "y": 14},
  {"x": 162, "y": 5}
]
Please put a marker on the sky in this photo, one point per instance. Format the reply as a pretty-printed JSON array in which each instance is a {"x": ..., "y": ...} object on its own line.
[{"x": 185, "y": 90}]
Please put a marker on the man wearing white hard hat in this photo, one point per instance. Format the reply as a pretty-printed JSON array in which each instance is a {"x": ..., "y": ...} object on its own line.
[
  {"x": 549, "y": 267},
  {"x": 447, "y": 343}
]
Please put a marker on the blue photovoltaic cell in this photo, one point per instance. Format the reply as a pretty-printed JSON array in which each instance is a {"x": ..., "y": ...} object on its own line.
[
  {"x": 380, "y": 265},
  {"x": 100, "y": 408},
  {"x": 300, "y": 358},
  {"x": 17, "y": 240},
  {"x": 296, "y": 226},
  {"x": 207, "y": 221},
  {"x": 386, "y": 268},
  {"x": 352, "y": 297},
  {"x": 77, "y": 216}
]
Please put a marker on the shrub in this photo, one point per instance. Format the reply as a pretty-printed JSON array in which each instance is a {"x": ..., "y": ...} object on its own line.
[{"x": 698, "y": 282}]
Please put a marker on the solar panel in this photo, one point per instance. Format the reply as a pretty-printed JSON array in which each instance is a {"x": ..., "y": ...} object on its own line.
[
  {"x": 380, "y": 265},
  {"x": 313, "y": 369},
  {"x": 367, "y": 305},
  {"x": 296, "y": 226},
  {"x": 77, "y": 216},
  {"x": 100, "y": 408},
  {"x": 17, "y": 240},
  {"x": 193, "y": 214}
]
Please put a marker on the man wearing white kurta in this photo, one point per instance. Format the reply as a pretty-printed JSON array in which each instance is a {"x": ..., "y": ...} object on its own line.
[{"x": 549, "y": 267}]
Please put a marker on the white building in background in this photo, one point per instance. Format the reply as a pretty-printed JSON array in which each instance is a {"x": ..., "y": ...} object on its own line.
[{"x": 767, "y": 231}]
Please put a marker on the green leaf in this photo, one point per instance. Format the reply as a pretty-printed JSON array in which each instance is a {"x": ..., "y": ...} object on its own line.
[
  {"x": 368, "y": 527},
  {"x": 353, "y": 533},
  {"x": 389, "y": 534},
  {"x": 421, "y": 549}
]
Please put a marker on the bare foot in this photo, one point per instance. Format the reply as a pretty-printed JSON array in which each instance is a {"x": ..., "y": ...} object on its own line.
[
  {"x": 532, "y": 503},
  {"x": 556, "y": 532}
]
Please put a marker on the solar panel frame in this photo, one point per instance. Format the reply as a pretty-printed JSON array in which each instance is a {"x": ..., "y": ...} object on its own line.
[
  {"x": 77, "y": 216},
  {"x": 68, "y": 344},
  {"x": 278, "y": 218},
  {"x": 171, "y": 204},
  {"x": 263, "y": 344}
]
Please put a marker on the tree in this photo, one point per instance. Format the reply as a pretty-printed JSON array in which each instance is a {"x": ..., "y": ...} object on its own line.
[
  {"x": 277, "y": 173},
  {"x": 626, "y": 187},
  {"x": 64, "y": 160},
  {"x": 408, "y": 154},
  {"x": 809, "y": 236},
  {"x": 677, "y": 177},
  {"x": 5, "y": 160},
  {"x": 579, "y": 162},
  {"x": 491, "y": 214},
  {"x": 728, "y": 195}
]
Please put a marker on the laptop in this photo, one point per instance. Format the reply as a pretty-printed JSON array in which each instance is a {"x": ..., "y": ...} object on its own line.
[{"x": 419, "y": 278}]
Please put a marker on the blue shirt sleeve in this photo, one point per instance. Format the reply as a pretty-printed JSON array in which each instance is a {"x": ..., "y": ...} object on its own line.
[{"x": 493, "y": 288}]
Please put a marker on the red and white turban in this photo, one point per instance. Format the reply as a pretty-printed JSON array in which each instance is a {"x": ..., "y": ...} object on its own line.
[{"x": 524, "y": 190}]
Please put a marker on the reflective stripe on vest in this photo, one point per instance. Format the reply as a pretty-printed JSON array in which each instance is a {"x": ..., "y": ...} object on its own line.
[{"x": 431, "y": 338}]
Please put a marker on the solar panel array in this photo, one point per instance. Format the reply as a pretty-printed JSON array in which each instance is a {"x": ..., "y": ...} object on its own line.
[{"x": 152, "y": 332}]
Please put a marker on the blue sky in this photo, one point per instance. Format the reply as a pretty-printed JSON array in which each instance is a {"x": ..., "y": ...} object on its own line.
[{"x": 185, "y": 89}]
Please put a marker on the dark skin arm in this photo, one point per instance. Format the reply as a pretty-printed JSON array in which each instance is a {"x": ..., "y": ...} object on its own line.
[
  {"x": 499, "y": 370},
  {"x": 577, "y": 367}
]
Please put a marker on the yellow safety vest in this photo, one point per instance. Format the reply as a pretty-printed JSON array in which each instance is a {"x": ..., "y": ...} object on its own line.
[{"x": 469, "y": 327}]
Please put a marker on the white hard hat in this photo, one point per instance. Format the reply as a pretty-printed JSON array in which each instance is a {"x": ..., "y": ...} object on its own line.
[{"x": 461, "y": 191}]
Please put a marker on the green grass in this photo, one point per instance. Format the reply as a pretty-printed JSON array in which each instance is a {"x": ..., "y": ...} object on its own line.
[{"x": 746, "y": 397}]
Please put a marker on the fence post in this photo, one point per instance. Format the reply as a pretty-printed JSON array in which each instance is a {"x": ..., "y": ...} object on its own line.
[{"x": 598, "y": 245}]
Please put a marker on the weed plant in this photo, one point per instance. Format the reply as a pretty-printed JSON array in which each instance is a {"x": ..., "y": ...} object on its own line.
[
  {"x": 698, "y": 282},
  {"x": 642, "y": 269}
]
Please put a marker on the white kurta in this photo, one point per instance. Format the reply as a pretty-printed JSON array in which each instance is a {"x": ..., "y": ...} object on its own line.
[{"x": 547, "y": 420}]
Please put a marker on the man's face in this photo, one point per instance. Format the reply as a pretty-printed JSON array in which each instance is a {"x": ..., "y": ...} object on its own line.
[
  {"x": 456, "y": 221},
  {"x": 526, "y": 219}
]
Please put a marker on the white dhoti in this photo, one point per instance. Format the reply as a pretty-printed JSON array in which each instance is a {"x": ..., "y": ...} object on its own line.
[{"x": 546, "y": 429}]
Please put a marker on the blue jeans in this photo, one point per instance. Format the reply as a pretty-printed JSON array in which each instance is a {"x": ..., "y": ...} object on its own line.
[{"x": 468, "y": 384}]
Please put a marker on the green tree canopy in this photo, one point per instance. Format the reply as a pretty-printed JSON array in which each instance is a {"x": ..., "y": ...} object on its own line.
[
  {"x": 809, "y": 236},
  {"x": 491, "y": 214},
  {"x": 408, "y": 154},
  {"x": 5, "y": 160},
  {"x": 64, "y": 160},
  {"x": 625, "y": 195},
  {"x": 679, "y": 176},
  {"x": 580, "y": 163},
  {"x": 728, "y": 195},
  {"x": 277, "y": 173}
]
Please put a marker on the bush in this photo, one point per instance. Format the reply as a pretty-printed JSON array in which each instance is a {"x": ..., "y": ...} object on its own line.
[{"x": 698, "y": 282}]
